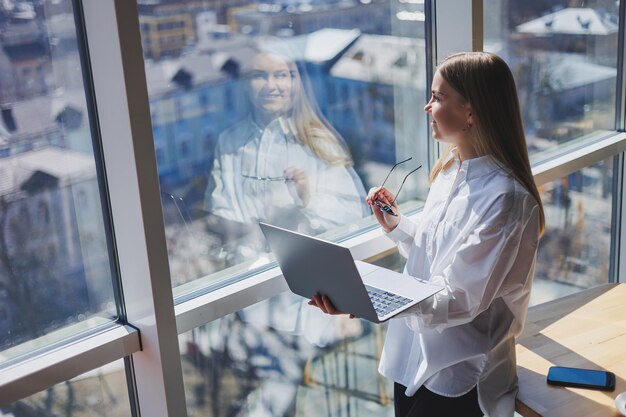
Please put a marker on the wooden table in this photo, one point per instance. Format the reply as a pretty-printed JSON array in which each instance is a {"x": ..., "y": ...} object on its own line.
[{"x": 585, "y": 330}]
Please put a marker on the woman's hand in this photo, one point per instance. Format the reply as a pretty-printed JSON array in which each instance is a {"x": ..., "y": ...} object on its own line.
[
  {"x": 300, "y": 180},
  {"x": 378, "y": 195},
  {"x": 323, "y": 303}
]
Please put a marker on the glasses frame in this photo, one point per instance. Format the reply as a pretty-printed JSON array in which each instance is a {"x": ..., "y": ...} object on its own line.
[
  {"x": 387, "y": 208},
  {"x": 256, "y": 177}
]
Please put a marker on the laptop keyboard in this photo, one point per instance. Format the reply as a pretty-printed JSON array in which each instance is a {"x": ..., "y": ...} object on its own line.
[{"x": 385, "y": 302}]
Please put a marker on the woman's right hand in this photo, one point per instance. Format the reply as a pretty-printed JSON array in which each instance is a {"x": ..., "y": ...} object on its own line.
[
  {"x": 323, "y": 303},
  {"x": 381, "y": 195}
]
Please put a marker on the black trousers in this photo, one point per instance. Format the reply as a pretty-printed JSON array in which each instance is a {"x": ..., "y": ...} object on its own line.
[{"x": 425, "y": 403}]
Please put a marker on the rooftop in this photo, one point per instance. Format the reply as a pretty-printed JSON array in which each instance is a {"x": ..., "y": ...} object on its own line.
[
  {"x": 384, "y": 59},
  {"x": 571, "y": 21},
  {"x": 317, "y": 47},
  {"x": 567, "y": 71},
  {"x": 66, "y": 165}
]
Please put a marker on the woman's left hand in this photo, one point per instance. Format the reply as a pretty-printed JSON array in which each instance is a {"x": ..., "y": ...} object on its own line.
[
  {"x": 323, "y": 303},
  {"x": 300, "y": 180}
]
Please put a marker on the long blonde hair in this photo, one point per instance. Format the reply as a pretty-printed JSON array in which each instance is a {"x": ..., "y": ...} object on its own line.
[
  {"x": 486, "y": 82},
  {"x": 305, "y": 121},
  {"x": 312, "y": 129}
]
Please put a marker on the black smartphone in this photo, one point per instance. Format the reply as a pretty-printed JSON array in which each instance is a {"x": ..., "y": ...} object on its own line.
[{"x": 581, "y": 378}]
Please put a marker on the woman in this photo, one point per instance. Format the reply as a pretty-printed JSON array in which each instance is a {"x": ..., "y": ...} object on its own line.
[
  {"x": 283, "y": 164},
  {"x": 454, "y": 353}
]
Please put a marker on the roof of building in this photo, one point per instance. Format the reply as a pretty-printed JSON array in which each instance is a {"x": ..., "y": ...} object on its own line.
[
  {"x": 565, "y": 71},
  {"x": 212, "y": 66},
  {"x": 384, "y": 59},
  {"x": 571, "y": 21},
  {"x": 288, "y": 8},
  {"x": 317, "y": 47},
  {"x": 66, "y": 165},
  {"x": 39, "y": 114}
]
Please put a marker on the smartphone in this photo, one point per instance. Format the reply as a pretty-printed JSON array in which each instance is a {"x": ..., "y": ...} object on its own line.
[{"x": 581, "y": 378}]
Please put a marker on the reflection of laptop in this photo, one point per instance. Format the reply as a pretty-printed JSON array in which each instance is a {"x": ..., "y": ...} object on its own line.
[{"x": 311, "y": 266}]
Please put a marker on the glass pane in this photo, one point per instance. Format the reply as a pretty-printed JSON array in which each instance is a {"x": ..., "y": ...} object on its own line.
[
  {"x": 282, "y": 112},
  {"x": 55, "y": 274},
  {"x": 574, "y": 251},
  {"x": 564, "y": 60},
  {"x": 102, "y": 392},
  {"x": 263, "y": 361}
]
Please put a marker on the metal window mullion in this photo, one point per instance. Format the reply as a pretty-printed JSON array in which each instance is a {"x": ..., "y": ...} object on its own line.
[
  {"x": 617, "y": 259},
  {"x": 430, "y": 28},
  {"x": 35, "y": 374},
  {"x": 620, "y": 87},
  {"x": 458, "y": 27},
  {"x": 466, "y": 17},
  {"x": 116, "y": 57},
  {"x": 580, "y": 158}
]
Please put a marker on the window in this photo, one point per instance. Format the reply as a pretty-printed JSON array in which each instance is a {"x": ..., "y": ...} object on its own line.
[
  {"x": 564, "y": 62},
  {"x": 204, "y": 99},
  {"x": 272, "y": 92},
  {"x": 574, "y": 251},
  {"x": 184, "y": 149},
  {"x": 258, "y": 361},
  {"x": 44, "y": 214},
  {"x": 55, "y": 263}
]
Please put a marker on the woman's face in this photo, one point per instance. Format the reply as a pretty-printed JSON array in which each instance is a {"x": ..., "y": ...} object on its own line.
[
  {"x": 449, "y": 112},
  {"x": 270, "y": 85}
]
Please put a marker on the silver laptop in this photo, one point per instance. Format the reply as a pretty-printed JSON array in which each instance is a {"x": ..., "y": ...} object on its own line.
[{"x": 314, "y": 266}]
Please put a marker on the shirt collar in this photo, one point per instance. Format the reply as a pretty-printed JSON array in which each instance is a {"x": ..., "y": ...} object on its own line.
[
  {"x": 476, "y": 167},
  {"x": 283, "y": 123}
]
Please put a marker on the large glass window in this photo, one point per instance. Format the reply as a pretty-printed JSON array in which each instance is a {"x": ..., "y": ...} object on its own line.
[
  {"x": 574, "y": 251},
  {"x": 563, "y": 56},
  {"x": 55, "y": 273},
  {"x": 281, "y": 357},
  {"x": 280, "y": 112},
  {"x": 101, "y": 392}
]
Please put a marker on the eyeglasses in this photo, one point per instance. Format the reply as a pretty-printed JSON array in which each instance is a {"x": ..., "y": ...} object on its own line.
[
  {"x": 256, "y": 177},
  {"x": 387, "y": 208}
]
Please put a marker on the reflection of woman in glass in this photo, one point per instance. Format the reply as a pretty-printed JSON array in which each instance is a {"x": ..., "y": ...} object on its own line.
[{"x": 283, "y": 164}]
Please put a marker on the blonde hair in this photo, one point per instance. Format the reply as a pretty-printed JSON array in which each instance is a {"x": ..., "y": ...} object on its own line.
[
  {"x": 486, "y": 82},
  {"x": 312, "y": 129},
  {"x": 306, "y": 123}
]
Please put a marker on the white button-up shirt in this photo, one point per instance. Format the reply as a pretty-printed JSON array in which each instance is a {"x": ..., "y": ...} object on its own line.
[
  {"x": 337, "y": 198},
  {"x": 337, "y": 194},
  {"x": 478, "y": 237}
]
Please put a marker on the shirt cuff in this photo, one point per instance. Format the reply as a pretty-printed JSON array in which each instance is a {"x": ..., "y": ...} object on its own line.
[{"x": 404, "y": 231}]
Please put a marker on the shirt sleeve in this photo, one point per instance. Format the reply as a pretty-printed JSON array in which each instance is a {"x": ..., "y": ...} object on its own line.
[
  {"x": 217, "y": 198},
  {"x": 404, "y": 235},
  {"x": 476, "y": 275}
]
